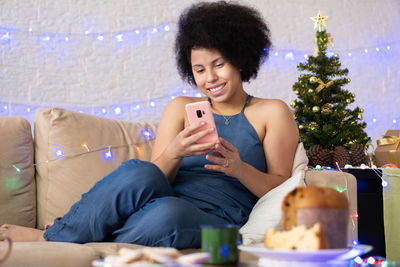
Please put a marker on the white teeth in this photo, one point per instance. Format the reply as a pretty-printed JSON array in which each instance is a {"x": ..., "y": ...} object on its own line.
[{"x": 218, "y": 88}]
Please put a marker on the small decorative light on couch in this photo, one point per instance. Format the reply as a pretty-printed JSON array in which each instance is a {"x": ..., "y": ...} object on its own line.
[
  {"x": 85, "y": 145},
  {"x": 108, "y": 155},
  {"x": 340, "y": 189},
  {"x": 16, "y": 169},
  {"x": 147, "y": 134},
  {"x": 59, "y": 153}
]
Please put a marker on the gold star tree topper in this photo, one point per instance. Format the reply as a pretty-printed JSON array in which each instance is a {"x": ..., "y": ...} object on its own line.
[{"x": 319, "y": 21}]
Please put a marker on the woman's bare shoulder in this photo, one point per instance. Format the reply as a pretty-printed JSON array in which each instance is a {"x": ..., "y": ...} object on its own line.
[{"x": 270, "y": 106}]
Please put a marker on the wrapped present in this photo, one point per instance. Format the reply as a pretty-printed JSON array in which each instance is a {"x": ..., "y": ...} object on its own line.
[{"x": 388, "y": 150}]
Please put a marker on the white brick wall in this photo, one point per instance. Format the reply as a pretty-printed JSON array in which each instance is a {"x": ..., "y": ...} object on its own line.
[{"x": 86, "y": 74}]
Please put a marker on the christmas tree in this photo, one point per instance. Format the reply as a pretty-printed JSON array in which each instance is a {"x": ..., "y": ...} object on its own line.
[{"x": 321, "y": 108}]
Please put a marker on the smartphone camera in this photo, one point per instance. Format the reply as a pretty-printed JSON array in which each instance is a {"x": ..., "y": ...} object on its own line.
[{"x": 198, "y": 112}]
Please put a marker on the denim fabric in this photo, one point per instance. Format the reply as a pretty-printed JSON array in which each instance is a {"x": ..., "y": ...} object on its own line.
[{"x": 133, "y": 204}]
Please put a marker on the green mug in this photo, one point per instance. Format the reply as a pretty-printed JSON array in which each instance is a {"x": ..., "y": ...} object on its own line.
[{"x": 221, "y": 241}]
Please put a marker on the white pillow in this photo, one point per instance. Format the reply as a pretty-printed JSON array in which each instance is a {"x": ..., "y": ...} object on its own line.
[{"x": 267, "y": 212}]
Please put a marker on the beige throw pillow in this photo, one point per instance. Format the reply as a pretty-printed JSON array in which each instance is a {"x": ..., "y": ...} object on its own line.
[
  {"x": 17, "y": 173},
  {"x": 71, "y": 155}
]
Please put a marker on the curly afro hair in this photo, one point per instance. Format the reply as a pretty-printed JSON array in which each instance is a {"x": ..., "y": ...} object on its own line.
[{"x": 238, "y": 32}]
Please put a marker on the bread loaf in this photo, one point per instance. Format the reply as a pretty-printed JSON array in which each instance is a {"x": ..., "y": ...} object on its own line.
[
  {"x": 298, "y": 238},
  {"x": 310, "y": 205}
]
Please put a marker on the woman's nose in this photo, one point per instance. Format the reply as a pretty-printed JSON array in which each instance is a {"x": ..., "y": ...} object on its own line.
[{"x": 211, "y": 76}]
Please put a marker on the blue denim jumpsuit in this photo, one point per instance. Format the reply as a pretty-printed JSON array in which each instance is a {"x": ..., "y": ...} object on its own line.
[{"x": 136, "y": 204}]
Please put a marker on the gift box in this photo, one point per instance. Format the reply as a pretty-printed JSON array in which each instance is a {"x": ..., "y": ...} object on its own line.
[{"x": 388, "y": 150}]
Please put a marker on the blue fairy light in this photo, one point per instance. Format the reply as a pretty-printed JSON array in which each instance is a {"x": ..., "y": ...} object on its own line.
[
  {"x": 100, "y": 37},
  {"x": 46, "y": 38},
  {"x": 103, "y": 110},
  {"x": 119, "y": 37},
  {"x": 152, "y": 103},
  {"x": 117, "y": 110},
  {"x": 28, "y": 109},
  {"x": 147, "y": 134},
  {"x": 384, "y": 183},
  {"x": 167, "y": 28},
  {"x": 154, "y": 30},
  {"x": 108, "y": 154},
  {"x": 289, "y": 56},
  {"x": 59, "y": 153},
  {"x": 5, "y": 37}
]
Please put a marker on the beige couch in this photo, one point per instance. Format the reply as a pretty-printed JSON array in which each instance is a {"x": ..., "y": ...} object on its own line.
[{"x": 41, "y": 178}]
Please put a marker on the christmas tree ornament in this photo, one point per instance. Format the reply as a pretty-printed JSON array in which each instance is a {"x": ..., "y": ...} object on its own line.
[
  {"x": 348, "y": 100},
  {"x": 348, "y": 80},
  {"x": 327, "y": 108},
  {"x": 310, "y": 91},
  {"x": 361, "y": 110},
  {"x": 319, "y": 21},
  {"x": 322, "y": 85},
  {"x": 360, "y": 116},
  {"x": 301, "y": 126},
  {"x": 296, "y": 92},
  {"x": 313, "y": 79},
  {"x": 357, "y": 155},
  {"x": 341, "y": 156},
  {"x": 315, "y": 109},
  {"x": 292, "y": 103}
]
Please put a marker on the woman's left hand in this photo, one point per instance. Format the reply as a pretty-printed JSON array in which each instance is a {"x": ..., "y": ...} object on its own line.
[{"x": 226, "y": 158}]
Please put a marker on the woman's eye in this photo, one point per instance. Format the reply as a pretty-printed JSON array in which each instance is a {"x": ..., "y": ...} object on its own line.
[
  {"x": 220, "y": 65},
  {"x": 200, "y": 71}
]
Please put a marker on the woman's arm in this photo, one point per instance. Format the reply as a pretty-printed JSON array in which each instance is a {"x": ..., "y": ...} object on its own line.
[
  {"x": 280, "y": 144},
  {"x": 173, "y": 141}
]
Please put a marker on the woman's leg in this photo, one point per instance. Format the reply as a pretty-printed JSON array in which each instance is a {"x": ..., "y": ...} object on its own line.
[
  {"x": 165, "y": 222},
  {"x": 110, "y": 202}
]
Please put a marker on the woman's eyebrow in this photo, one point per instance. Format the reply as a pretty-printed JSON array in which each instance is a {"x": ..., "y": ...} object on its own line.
[{"x": 212, "y": 62}]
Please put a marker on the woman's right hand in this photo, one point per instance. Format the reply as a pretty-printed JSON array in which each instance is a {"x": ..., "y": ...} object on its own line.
[{"x": 184, "y": 144}]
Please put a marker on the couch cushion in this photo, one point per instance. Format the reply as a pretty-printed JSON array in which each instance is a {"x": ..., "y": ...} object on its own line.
[
  {"x": 17, "y": 173},
  {"x": 66, "y": 169},
  {"x": 49, "y": 254},
  {"x": 267, "y": 212}
]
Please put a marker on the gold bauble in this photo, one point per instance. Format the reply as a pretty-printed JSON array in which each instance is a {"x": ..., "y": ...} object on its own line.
[
  {"x": 310, "y": 91},
  {"x": 353, "y": 95},
  {"x": 313, "y": 79},
  {"x": 296, "y": 92},
  {"x": 348, "y": 100},
  {"x": 361, "y": 110},
  {"x": 301, "y": 126},
  {"x": 315, "y": 109},
  {"x": 360, "y": 116},
  {"x": 348, "y": 79},
  {"x": 293, "y": 103},
  {"x": 336, "y": 56}
]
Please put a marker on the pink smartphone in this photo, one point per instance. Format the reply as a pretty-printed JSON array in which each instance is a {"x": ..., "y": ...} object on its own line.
[{"x": 198, "y": 112}]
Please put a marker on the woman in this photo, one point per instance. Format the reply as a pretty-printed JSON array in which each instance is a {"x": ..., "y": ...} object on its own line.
[{"x": 163, "y": 202}]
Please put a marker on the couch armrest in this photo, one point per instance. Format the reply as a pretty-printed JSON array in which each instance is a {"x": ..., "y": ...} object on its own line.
[{"x": 345, "y": 183}]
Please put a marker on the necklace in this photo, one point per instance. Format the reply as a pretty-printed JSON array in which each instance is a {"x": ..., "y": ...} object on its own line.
[{"x": 227, "y": 118}]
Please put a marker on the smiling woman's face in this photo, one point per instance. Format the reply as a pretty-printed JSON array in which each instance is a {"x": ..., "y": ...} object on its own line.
[{"x": 214, "y": 75}]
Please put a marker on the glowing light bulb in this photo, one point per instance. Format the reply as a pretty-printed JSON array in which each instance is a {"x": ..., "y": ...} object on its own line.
[
  {"x": 5, "y": 36},
  {"x": 388, "y": 47},
  {"x": 374, "y": 120},
  {"x": 46, "y": 38},
  {"x": 276, "y": 54},
  {"x": 152, "y": 104},
  {"x": 138, "y": 150},
  {"x": 154, "y": 30},
  {"x": 384, "y": 183},
  {"x": 358, "y": 259},
  {"x": 371, "y": 261},
  {"x": 377, "y": 49},
  {"x": 349, "y": 54},
  {"x": 289, "y": 56},
  {"x": 147, "y": 134},
  {"x": 119, "y": 37},
  {"x": 86, "y": 32},
  {"x": 366, "y": 50},
  {"x": 103, "y": 110},
  {"x": 30, "y": 30},
  {"x": 117, "y": 110},
  {"x": 59, "y": 153},
  {"x": 66, "y": 39},
  {"x": 28, "y": 109},
  {"x": 167, "y": 28},
  {"x": 198, "y": 95},
  {"x": 173, "y": 97},
  {"x": 305, "y": 56},
  {"x": 85, "y": 145},
  {"x": 108, "y": 154},
  {"x": 16, "y": 168},
  {"x": 394, "y": 121},
  {"x": 100, "y": 37},
  {"x": 137, "y": 31},
  {"x": 5, "y": 107},
  {"x": 184, "y": 91}
]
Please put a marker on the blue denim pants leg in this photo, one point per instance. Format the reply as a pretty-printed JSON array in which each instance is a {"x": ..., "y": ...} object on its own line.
[
  {"x": 167, "y": 222},
  {"x": 111, "y": 201}
]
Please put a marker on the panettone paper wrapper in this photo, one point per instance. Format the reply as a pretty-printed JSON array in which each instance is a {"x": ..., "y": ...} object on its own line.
[{"x": 333, "y": 222}]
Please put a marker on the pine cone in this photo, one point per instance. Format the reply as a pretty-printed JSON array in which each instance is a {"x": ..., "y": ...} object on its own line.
[
  {"x": 341, "y": 156},
  {"x": 357, "y": 155},
  {"x": 323, "y": 158},
  {"x": 312, "y": 152}
]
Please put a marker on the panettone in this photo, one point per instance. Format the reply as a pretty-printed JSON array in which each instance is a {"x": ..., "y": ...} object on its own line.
[{"x": 310, "y": 205}]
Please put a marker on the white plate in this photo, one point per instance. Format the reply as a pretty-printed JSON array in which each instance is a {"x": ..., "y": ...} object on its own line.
[{"x": 322, "y": 255}]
